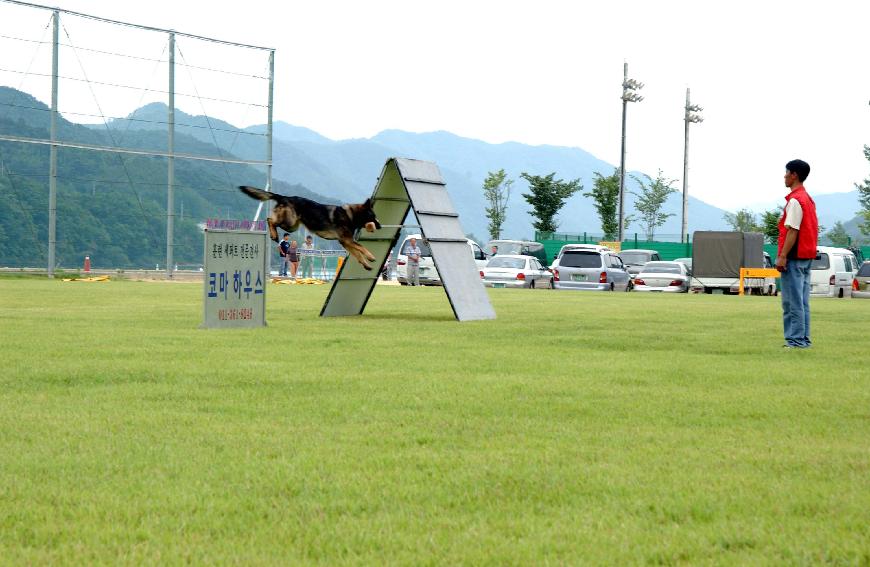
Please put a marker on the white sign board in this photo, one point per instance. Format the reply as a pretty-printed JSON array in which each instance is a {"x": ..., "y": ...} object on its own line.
[{"x": 234, "y": 290}]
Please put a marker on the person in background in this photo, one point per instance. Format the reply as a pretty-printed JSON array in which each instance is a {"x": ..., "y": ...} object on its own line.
[
  {"x": 385, "y": 272},
  {"x": 414, "y": 254},
  {"x": 293, "y": 258},
  {"x": 283, "y": 248},
  {"x": 494, "y": 251},
  {"x": 307, "y": 258},
  {"x": 798, "y": 240}
]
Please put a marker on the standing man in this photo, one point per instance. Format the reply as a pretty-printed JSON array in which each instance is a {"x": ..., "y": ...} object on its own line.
[
  {"x": 798, "y": 239},
  {"x": 283, "y": 250},
  {"x": 414, "y": 253},
  {"x": 307, "y": 257}
]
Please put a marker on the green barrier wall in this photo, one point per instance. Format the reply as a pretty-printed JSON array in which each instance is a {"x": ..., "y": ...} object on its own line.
[{"x": 667, "y": 250}]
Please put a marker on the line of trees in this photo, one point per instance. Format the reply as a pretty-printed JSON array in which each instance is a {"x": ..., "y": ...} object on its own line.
[
  {"x": 547, "y": 196},
  {"x": 864, "y": 199},
  {"x": 767, "y": 223}
]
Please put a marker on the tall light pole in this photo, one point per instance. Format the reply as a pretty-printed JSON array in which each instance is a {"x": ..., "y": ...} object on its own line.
[
  {"x": 691, "y": 116},
  {"x": 629, "y": 94}
]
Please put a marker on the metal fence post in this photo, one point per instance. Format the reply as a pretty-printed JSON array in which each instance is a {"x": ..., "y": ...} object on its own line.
[
  {"x": 52, "y": 166},
  {"x": 170, "y": 171}
]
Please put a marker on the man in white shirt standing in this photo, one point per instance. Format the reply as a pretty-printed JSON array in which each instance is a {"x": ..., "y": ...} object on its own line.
[
  {"x": 414, "y": 254},
  {"x": 307, "y": 257}
]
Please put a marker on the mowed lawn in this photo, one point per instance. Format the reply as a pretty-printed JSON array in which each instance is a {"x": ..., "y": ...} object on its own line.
[{"x": 577, "y": 428}]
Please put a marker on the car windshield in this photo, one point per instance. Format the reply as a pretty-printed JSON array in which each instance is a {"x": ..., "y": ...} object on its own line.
[
  {"x": 502, "y": 262},
  {"x": 864, "y": 271},
  {"x": 577, "y": 259},
  {"x": 505, "y": 247},
  {"x": 629, "y": 257},
  {"x": 822, "y": 262},
  {"x": 662, "y": 268},
  {"x": 424, "y": 248}
]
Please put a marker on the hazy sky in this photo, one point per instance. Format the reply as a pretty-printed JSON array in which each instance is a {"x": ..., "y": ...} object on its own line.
[{"x": 777, "y": 79}]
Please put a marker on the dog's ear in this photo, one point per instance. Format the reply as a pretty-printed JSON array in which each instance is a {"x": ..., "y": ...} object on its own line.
[{"x": 368, "y": 203}]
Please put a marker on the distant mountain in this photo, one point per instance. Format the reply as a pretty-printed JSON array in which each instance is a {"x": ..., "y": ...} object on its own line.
[
  {"x": 347, "y": 170},
  {"x": 467, "y": 163},
  {"x": 853, "y": 229}
]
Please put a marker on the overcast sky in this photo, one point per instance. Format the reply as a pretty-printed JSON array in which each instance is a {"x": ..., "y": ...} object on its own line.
[{"x": 777, "y": 79}]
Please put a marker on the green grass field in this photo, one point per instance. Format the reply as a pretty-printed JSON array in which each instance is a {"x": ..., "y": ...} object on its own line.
[{"x": 577, "y": 428}]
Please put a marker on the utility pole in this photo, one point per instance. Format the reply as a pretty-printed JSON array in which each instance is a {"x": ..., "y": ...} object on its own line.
[
  {"x": 690, "y": 117},
  {"x": 629, "y": 94}
]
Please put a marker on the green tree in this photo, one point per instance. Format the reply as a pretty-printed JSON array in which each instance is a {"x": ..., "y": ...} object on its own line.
[
  {"x": 864, "y": 198},
  {"x": 653, "y": 195},
  {"x": 742, "y": 221},
  {"x": 838, "y": 235},
  {"x": 547, "y": 196},
  {"x": 770, "y": 225},
  {"x": 497, "y": 192},
  {"x": 605, "y": 195}
]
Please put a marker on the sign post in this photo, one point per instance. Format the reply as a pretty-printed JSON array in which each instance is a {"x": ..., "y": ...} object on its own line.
[{"x": 234, "y": 290}]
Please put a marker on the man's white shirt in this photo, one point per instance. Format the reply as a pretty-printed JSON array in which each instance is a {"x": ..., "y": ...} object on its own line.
[{"x": 794, "y": 214}]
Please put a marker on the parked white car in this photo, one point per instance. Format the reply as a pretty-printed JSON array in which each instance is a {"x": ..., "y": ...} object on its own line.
[
  {"x": 670, "y": 277},
  {"x": 832, "y": 272},
  {"x": 428, "y": 272},
  {"x": 514, "y": 270}
]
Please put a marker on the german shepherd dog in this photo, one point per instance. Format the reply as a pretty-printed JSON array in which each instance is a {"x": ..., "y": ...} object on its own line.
[{"x": 332, "y": 222}]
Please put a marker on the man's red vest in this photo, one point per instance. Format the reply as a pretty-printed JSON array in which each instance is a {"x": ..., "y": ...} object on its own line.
[{"x": 808, "y": 234}]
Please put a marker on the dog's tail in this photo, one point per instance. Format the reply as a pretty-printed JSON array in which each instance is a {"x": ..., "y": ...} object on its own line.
[{"x": 257, "y": 194}]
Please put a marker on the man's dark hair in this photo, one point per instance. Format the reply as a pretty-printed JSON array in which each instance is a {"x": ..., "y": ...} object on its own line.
[{"x": 800, "y": 168}]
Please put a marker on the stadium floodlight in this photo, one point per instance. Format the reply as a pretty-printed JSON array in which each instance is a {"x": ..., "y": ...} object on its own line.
[
  {"x": 691, "y": 117},
  {"x": 629, "y": 94}
]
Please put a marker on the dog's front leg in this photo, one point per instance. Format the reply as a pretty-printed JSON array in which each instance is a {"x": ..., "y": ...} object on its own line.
[
  {"x": 273, "y": 232},
  {"x": 365, "y": 251},
  {"x": 354, "y": 250}
]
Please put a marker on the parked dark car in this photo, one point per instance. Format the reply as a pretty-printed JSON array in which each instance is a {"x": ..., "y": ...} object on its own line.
[
  {"x": 635, "y": 259},
  {"x": 861, "y": 283},
  {"x": 519, "y": 247}
]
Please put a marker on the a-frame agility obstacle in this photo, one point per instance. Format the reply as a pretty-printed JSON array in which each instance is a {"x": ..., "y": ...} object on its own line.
[{"x": 405, "y": 185}]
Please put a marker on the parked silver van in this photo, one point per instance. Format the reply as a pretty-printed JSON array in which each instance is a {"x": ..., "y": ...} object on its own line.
[{"x": 592, "y": 270}]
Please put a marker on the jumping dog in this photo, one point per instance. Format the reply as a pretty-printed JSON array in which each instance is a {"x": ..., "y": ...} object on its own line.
[{"x": 333, "y": 222}]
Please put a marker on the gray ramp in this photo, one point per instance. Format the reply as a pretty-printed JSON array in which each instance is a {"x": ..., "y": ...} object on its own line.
[{"x": 413, "y": 184}]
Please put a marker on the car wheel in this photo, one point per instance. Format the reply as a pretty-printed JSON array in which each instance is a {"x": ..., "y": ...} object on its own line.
[
  {"x": 612, "y": 286},
  {"x": 532, "y": 284},
  {"x": 552, "y": 284},
  {"x": 629, "y": 286}
]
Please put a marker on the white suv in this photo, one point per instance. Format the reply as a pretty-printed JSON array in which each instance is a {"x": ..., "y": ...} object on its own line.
[{"x": 428, "y": 272}]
